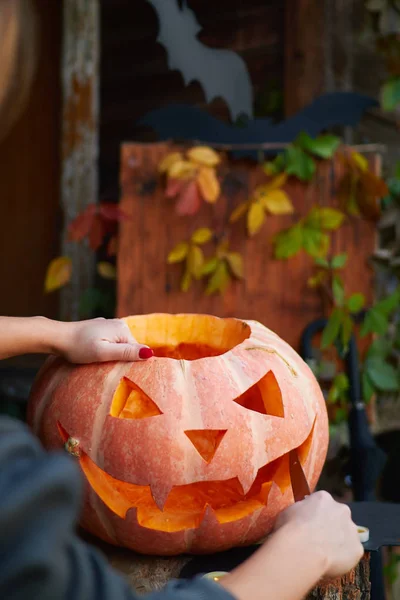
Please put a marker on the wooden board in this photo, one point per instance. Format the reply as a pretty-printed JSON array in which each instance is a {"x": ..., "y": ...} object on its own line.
[{"x": 274, "y": 292}]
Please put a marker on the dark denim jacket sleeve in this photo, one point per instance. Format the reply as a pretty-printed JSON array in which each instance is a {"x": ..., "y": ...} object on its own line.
[{"x": 41, "y": 558}]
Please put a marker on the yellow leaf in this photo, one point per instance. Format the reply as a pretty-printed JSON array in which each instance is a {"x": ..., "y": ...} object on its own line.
[
  {"x": 277, "y": 202},
  {"x": 278, "y": 181},
  {"x": 203, "y": 155},
  {"x": 107, "y": 270},
  {"x": 208, "y": 184},
  {"x": 239, "y": 211},
  {"x": 178, "y": 254},
  {"x": 58, "y": 273},
  {"x": 222, "y": 249},
  {"x": 181, "y": 169},
  {"x": 168, "y": 161},
  {"x": 210, "y": 266},
  {"x": 360, "y": 160},
  {"x": 235, "y": 262},
  {"x": 195, "y": 261},
  {"x": 202, "y": 235},
  {"x": 186, "y": 281},
  {"x": 255, "y": 218}
]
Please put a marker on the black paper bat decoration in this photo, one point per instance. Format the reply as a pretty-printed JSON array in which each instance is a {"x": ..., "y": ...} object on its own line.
[
  {"x": 221, "y": 73},
  {"x": 188, "y": 123}
]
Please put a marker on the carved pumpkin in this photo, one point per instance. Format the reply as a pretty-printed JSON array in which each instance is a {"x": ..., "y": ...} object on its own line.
[{"x": 186, "y": 452}]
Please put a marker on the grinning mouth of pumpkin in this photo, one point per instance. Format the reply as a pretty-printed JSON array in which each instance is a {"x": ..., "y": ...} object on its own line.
[{"x": 186, "y": 505}]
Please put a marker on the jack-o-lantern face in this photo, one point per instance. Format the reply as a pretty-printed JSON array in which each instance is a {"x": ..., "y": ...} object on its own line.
[{"x": 189, "y": 451}]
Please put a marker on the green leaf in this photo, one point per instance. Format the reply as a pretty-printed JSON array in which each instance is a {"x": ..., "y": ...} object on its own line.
[
  {"x": 210, "y": 266},
  {"x": 346, "y": 331},
  {"x": 341, "y": 381},
  {"x": 367, "y": 386},
  {"x": 322, "y": 262},
  {"x": 330, "y": 218},
  {"x": 380, "y": 347},
  {"x": 289, "y": 242},
  {"x": 315, "y": 242},
  {"x": 275, "y": 166},
  {"x": 390, "y": 94},
  {"x": 397, "y": 170},
  {"x": 339, "y": 261},
  {"x": 202, "y": 235},
  {"x": 323, "y": 146},
  {"x": 374, "y": 322},
  {"x": 383, "y": 375},
  {"x": 338, "y": 290},
  {"x": 389, "y": 304},
  {"x": 341, "y": 415},
  {"x": 219, "y": 280},
  {"x": 299, "y": 164},
  {"x": 332, "y": 328},
  {"x": 186, "y": 281},
  {"x": 356, "y": 302}
]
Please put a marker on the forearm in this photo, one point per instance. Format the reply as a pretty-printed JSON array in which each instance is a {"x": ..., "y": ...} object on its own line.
[
  {"x": 285, "y": 568},
  {"x": 29, "y": 335}
]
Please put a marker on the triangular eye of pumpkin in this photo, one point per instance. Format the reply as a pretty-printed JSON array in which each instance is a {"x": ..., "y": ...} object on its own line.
[
  {"x": 264, "y": 397},
  {"x": 206, "y": 441},
  {"x": 131, "y": 402}
]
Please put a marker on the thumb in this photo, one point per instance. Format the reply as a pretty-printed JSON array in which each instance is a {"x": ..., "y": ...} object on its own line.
[{"x": 125, "y": 352}]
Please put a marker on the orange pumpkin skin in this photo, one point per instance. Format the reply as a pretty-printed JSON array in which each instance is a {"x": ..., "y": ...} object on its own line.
[{"x": 188, "y": 451}]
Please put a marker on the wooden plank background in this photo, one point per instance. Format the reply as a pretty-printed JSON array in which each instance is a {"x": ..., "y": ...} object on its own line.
[{"x": 274, "y": 292}]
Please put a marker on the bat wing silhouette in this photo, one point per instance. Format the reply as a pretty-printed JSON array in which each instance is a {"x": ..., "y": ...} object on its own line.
[
  {"x": 184, "y": 122},
  {"x": 221, "y": 73}
]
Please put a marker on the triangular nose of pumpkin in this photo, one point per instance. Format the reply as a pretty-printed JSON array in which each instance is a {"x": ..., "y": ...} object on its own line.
[{"x": 206, "y": 441}]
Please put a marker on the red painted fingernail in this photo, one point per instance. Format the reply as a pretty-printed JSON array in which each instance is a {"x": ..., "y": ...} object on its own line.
[{"x": 145, "y": 353}]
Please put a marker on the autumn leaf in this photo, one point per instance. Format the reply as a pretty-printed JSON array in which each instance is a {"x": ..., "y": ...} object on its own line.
[
  {"x": 174, "y": 187},
  {"x": 186, "y": 281},
  {"x": 80, "y": 227},
  {"x": 106, "y": 270},
  {"x": 360, "y": 161},
  {"x": 181, "y": 169},
  {"x": 277, "y": 202},
  {"x": 111, "y": 211},
  {"x": 219, "y": 280},
  {"x": 203, "y": 155},
  {"x": 277, "y": 182},
  {"x": 96, "y": 233},
  {"x": 168, "y": 161},
  {"x": 112, "y": 247},
  {"x": 195, "y": 261},
  {"x": 202, "y": 235},
  {"x": 189, "y": 200},
  {"x": 209, "y": 185},
  {"x": 325, "y": 218},
  {"x": 239, "y": 212},
  {"x": 235, "y": 262},
  {"x": 178, "y": 254},
  {"x": 58, "y": 273},
  {"x": 255, "y": 218}
]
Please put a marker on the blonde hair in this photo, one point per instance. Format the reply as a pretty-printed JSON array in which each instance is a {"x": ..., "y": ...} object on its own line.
[{"x": 18, "y": 51}]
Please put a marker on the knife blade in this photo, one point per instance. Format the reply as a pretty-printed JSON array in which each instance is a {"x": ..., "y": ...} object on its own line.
[{"x": 300, "y": 486}]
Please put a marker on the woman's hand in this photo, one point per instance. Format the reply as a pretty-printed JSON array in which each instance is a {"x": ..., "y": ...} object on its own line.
[
  {"x": 100, "y": 340},
  {"x": 313, "y": 539},
  {"x": 97, "y": 340},
  {"x": 327, "y": 526}
]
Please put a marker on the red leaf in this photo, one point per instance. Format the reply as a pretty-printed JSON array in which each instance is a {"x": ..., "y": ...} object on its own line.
[
  {"x": 112, "y": 247},
  {"x": 189, "y": 200},
  {"x": 111, "y": 211},
  {"x": 80, "y": 227},
  {"x": 96, "y": 233},
  {"x": 174, "y": 187}
]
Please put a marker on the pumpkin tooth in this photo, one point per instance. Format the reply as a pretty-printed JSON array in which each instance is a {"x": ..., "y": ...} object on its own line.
[
  {"x": 160, "y": 492},
  {"x": 209, "y": 520},
  {"x": 246, "y": 479}
]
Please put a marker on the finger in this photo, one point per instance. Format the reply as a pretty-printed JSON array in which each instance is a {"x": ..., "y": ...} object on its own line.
[{"x": 124, "y": 352}]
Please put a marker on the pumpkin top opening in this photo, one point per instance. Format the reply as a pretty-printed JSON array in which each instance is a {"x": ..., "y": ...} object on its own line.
[{"x": 188, "y": 337}]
